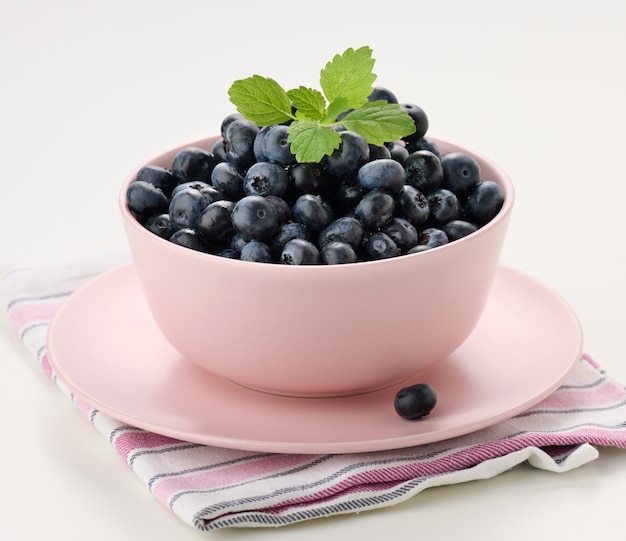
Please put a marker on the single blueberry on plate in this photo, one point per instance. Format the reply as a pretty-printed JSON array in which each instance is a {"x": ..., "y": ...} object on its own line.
[{"x": 415, "y": 401}]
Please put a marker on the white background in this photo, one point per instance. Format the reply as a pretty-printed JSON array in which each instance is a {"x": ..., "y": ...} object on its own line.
[{"x": 88, "y": 90}]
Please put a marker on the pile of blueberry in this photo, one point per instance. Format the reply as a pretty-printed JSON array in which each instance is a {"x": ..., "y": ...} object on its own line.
[{"x": 247, "y": 198}]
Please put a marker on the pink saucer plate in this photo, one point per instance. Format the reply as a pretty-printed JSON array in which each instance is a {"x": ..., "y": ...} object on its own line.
[{"x": 104, "y": 346}]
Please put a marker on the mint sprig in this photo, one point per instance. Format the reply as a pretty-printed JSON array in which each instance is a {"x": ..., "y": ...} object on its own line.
[{"x": 346, "y": 83}]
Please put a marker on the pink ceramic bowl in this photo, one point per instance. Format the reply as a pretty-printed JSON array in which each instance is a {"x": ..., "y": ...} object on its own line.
[{"x": 318, "y": 330}]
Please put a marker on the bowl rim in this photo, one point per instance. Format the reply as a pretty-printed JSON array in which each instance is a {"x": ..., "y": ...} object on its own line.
[{"x": 504, "y": 180}]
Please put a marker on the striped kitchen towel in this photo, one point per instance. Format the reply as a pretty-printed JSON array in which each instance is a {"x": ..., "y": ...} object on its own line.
[{"x": 210, "y": 487}]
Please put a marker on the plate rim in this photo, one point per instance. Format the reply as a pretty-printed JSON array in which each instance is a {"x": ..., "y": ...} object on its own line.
[{"x": 324, "y": 447}]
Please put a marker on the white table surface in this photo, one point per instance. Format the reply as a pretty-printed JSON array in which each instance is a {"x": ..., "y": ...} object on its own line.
[{"x": 90, "y": 89}]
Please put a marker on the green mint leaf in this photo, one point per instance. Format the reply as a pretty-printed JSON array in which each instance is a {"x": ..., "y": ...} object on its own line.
[
  {"x": 349, "y": 76},
  {"x": 310, "y": 103},
  {"x": 379, "y": 122},
  {"x": 310, "y": 141},
  {"x": 261, "y": 100},
  {"x": 338, "y": 106}
]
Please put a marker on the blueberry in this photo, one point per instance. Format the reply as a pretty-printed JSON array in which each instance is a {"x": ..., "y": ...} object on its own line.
[
  {"x": 423, "y": 170},
  {"x": 185, "y": 208},
  {"x": 193, "y": 163},
  {"x": 160, "y": 225},
  {"x": 375, "y": 209},
  {"x": 415, "y": 401},
  {"x": 379, "y": 153},
  {"x": 382, "y": 93},
  {"x": 461, "y": 173},
  {"x": 271, "y": 145},
  {"x": 239, "y": 143},
  {"x": 237, "y": 242},
  {"x": 381, "y": 246},
  {"x": 444, "y": 206},
  {"x": 419, "y": 118},
  {"x": 424, "y": 144},
  {"x": 256, "y": 251},
  {"x": 190, "y": 238},
  {"x": 384, "y": 174},
  {"x": 402, "y": 232},
  {"x": 158, "y": 176},
  {"x": 312, "y": 211},
  {"x": 484, "y": 202},
  {"x": 398, "y": 151},
  {"x": 228, "y": 253},
  {"x": 349, "y": 157},
  {"x": 457, "y": 229},
  {"x": 145, "y": 199},
  {"x": 207, "y": 191},
  {"x": 309, "y": 178},
  {"x": 300, "y": 252},
  {"x": 288, "y": 231},
  {"x": 348, "y": 195},
  {"x": 412, "y": 205},
  {"x": 265, "y": 178},
  {"x": 345, "y": 230},
  {"x": 228, "y": 120},
  {"x": 227, "y": 179},
  {"x": 254, "y": 217},
  {"x": 419, "y": 248},
  {"x": 218, "y": 151},
  {"x": 338, "y": 253},
  {"x": 432, "y": 237},
  {"x": 215, "y": 223},
  {"x": 282, "y": 208}
]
